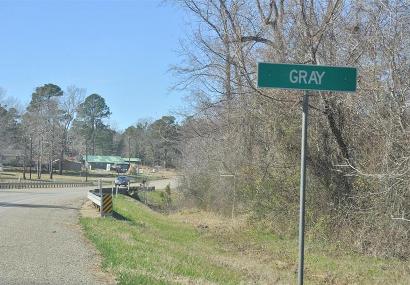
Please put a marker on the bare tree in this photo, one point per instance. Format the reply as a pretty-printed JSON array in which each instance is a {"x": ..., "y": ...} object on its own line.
[
  {"x": 69, "y": 103},
  {"x": 358, "y": 154}
]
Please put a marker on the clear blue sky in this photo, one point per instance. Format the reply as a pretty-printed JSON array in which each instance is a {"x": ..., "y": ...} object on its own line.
[{"x": 118, "y": 49}]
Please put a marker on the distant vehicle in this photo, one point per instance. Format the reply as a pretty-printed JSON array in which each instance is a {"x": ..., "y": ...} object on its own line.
[
  {"x": 1, "y": 167},
  {"x": 121, "y": 180},
  {"x": 120, "y": 168}
]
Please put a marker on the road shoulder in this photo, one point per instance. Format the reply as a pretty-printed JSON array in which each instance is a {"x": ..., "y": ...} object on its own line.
[{"x": 87, "y": 210}]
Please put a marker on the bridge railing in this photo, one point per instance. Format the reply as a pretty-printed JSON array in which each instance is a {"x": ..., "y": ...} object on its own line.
[
  {"x": 42, "y": 184},
  {"x": 102, "y": 199}
]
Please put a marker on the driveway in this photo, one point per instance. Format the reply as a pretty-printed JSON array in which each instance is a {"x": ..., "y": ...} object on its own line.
[
  {"x": 41, "y": 241},
  {"x": 162, "y": 183}
]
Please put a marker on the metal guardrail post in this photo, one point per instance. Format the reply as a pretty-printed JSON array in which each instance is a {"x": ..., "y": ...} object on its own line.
[{"x": 101, "y": 197}]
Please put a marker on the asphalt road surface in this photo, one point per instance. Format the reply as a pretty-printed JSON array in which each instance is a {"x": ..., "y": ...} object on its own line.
[{"x": 41, "y": 241}]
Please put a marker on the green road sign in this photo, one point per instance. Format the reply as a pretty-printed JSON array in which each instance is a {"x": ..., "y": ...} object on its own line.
[{"x": 307, "y": 77}]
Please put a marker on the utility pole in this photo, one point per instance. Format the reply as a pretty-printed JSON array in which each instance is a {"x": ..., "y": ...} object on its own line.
[
  {"x": 52, "y": 153},
  {"x": 129, "y": 152},
  {"x": 40, "y": 160},
  {"x": 25, "y": 158},
  {"x": 31, "y": 154},
  {"x": 86, "y": 162}
]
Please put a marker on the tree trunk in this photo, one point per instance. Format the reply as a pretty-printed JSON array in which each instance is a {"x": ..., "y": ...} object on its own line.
[
  {"x": 60, "y": 163},
  {"x": 63, "y": 143},
  {"x": 24, "y": 160}
]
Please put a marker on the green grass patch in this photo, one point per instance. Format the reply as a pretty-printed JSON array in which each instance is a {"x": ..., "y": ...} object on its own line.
[
  {"x": 146, "y": 247},
  {"x": 159, "y": 199}
]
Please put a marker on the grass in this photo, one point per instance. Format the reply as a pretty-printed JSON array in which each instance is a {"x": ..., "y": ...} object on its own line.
[
  {"x": 148, "y": 249},
  {"x": 195, "y": 247},
  {"x": 157, "y": 199}
]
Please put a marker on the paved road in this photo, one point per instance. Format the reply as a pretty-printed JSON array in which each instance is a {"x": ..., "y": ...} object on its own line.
[{"x": 41, "y": 241}]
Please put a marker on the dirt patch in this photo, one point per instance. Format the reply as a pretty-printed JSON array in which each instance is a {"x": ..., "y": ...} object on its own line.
[
  {"x": 163, "y": 173},
  {"x": 88, "y": 210},
  {"x": 209, "y": 221}
]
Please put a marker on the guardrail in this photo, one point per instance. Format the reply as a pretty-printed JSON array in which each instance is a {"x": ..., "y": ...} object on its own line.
[
  {"x": 102, "y": 200},
  {"x": 20, "y": 180},
  {"x": 42, "y": 184},
  {"x": 96, "y": 199}
]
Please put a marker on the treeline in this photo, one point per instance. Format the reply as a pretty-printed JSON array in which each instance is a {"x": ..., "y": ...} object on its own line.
[
  {"x": 241, "y": 145},
  {"x": 59, "y": 124}
]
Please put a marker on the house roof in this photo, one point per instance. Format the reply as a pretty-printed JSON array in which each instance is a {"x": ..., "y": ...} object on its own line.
[
  {"x": 132, "y": 159},
  {"x": 104, "y": 159},
  {"x": 111, "y": 159}
]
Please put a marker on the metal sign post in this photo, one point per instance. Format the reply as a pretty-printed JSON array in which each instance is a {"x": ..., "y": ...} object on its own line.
[
  {"x": 305, "y": 77},
  {"x": 302, "y": 187}
]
